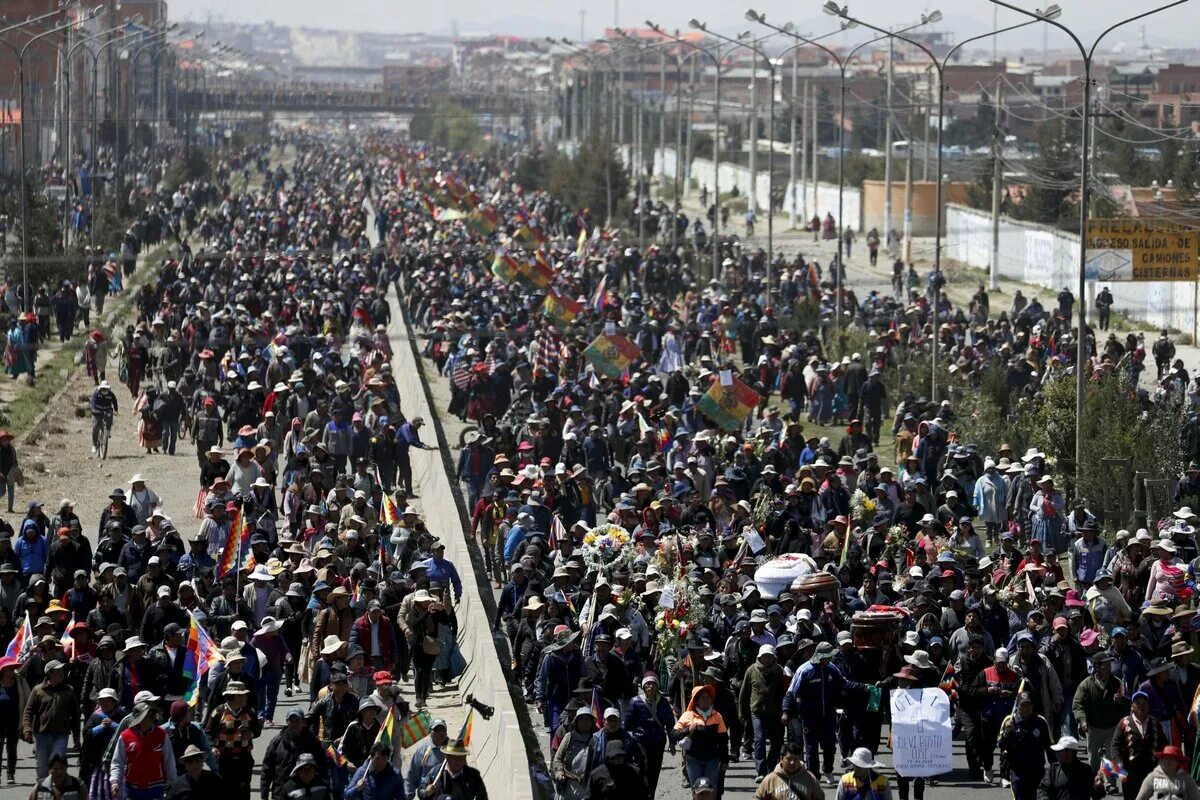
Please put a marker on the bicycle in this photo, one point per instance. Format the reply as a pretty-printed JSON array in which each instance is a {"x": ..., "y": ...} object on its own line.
[{"x": 101, "y": 433}]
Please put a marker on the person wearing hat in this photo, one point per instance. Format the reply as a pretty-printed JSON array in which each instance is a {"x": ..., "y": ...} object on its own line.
[
  {"x": 706, "y": 749},
  {"x": 1099, "y": 705},
  {"x": 195, "y": 780},
  {"x": 616, "y": 778},
  {"x": 863, "y": 779},
  {"x": 1025, "y": 741},
  {"x": 1068, "y": 778},
  {"x": 333, "y": 712},
  {"x": 1047, "y": 510},
  {"x": 426, "y": 759},
  {"x": 1169, "y": 778},
  {"x": 98, "y": 730},
  {"x": 335, "y": 618},
  {"x": 572, "y": 762},
  {"x": 649, "y": 719},
  {"x": 810, "y": 706},
  {"x": 306, "y": 780},
  {"x": 49, "y": 716},
  {"x": 373, "y": 632},
  {"x": 994, "y": 688},
  {"x": 143, "y": 763},
  {"x": 1135, "y": 742},
  {"x": 759, "y": 701},
  {"x": 232, "y": 728},
  {"x": 285, "y": 752}
]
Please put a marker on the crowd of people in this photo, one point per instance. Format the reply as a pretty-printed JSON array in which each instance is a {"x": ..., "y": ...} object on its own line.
[
  {"x": 640, "y": 477},
  {"x": 144, "y": 659},
  {"x": 681, "y": 569}
]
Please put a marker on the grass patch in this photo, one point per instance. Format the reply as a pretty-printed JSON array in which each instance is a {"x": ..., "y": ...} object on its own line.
[{"x": 53, "y": 374}]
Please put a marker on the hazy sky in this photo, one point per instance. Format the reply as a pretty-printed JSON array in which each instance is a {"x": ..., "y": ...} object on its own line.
[{"x": 562, "y": 16}]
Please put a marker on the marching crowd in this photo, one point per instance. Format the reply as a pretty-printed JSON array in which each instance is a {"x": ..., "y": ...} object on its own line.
[{"x": 682, "y": 571}]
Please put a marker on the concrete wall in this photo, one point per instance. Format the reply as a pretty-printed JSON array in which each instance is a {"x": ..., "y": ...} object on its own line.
[
  {"x": 1047, "y": 257},
  {"x": 824, "y": 200},
  {"x": 924, "y": 199},
  {"x": 497, "y": 745}
]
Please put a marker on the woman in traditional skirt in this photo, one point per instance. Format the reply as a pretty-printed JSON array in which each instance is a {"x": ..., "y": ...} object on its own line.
[{"x": 149, "y": 433}]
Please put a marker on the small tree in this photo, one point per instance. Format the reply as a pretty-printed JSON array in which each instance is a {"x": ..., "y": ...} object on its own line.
[{"x": 1116, "y": 424}]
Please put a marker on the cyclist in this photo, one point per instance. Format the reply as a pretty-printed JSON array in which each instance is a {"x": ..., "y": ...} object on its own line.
[{"x": 104, "y": 410}]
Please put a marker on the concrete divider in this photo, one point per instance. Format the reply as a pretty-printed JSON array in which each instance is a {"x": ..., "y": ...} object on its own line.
[{"x": 499, "y": 745}]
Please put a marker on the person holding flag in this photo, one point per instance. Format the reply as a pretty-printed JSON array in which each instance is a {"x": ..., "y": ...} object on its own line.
[
  {"x": 426, "y": 760},
  {"x": 377, "y": 779}
]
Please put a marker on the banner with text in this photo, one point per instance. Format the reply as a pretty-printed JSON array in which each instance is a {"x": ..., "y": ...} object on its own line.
[{"x": 1129, "y": 249}]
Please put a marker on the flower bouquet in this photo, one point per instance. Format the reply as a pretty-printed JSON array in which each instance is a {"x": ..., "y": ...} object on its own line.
[
  {"x": 673, "y": 625},
  {"x": 862, "y": 508}
]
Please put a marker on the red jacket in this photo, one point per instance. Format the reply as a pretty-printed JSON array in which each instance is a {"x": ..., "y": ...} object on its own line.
[
  {"x": 144, "y": 768},
  {"x": 361, "y": 635}
]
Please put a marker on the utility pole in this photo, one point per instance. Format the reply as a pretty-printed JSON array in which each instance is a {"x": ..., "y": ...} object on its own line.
[
  {"x": 662, "y": 117},
  {"x": 887, "y": 143},
  {"x": 792, "y": 154},
  {"x": 997, "y": 183},
  {"x": 753, "y": 131},
  {"x": 804, "y": 155},
  {"x": 816, "y": 145},
  {"x": 908, "y": 186}
]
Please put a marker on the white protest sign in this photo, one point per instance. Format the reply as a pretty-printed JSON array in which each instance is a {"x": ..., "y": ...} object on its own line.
[
  {"x": 753, "y": 540},
  {"x": 667, "y": 598},
  {"x": 921, "y": 734}
]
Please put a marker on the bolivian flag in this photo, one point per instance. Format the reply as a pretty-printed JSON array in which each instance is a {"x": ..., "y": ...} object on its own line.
[
  {"x": 482, "y": 222},
  {"x": 611, "y": 355},
  {"x": 561, "y": 309},
  {"x": 464, "y": 734},
  {"x": 505, "y": 267},
  {"x": 728, "y": 406},
  {"x": 539, "y": 272},
  {"x": 390, "y": 512}
]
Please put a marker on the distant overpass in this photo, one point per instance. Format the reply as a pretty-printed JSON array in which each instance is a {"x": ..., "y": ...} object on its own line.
[{"x": 317, "y": 97}]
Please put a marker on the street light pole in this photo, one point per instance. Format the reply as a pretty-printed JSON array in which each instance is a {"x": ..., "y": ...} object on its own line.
[
  {"x": 832, "y": 8},
  {"x": 715, "y": 55},
  {"x": 1085, "y": 143},
  {"x": 842, "y": 64},
  {"x": 744, "y": 40}
]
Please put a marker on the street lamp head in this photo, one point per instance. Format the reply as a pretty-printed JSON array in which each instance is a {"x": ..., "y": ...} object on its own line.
[
  {"x": 931, "y": 17},
  {"x": 695, "y": 23},
  {"x": 833, "y": 9},
  {"x": 754, "y": 16},
  {"x": 744, "y": 35},
  {"x": 1053, "y": 11},
  {"x": 788, "y": 27},
  {"x": 654, "y": 26}
]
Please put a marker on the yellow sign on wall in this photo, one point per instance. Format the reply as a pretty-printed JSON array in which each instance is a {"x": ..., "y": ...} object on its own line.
[{"x": 1128, "y": 249}]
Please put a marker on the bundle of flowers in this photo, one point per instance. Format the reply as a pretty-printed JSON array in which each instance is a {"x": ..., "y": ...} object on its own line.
[
  {"x": 862, "y": 508},
  {"x": 673, "y": 625}
]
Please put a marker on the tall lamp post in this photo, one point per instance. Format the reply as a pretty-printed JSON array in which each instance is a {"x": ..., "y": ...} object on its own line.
[
  {"x": 939, "y": 66},
  {"x": 69, "y": 61},
  {"x": 746, "y": 40},
  {"x": 715, "y": 54},
  {"x": 843, "y": 63},
  {"x": 663, "y": 48},
  {"x": 1085, "y": 142},
  {"x": 59, "y": 28}
]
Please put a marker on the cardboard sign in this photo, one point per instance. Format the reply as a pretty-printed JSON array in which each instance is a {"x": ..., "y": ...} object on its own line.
[{"x": 922, "y": 741}]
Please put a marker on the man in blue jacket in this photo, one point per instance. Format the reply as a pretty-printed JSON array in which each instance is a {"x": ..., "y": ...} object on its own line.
[
  {"x": 31, "y": 548},
  {"x": 558, "y": 675},
  {"x": 810, "y": 707},
  {"x": 377, "y": 779},
  {"x": 408, "y": 436}
]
